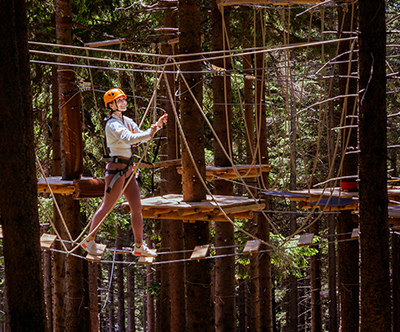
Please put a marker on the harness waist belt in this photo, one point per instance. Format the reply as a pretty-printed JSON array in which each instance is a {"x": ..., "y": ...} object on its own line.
[{"x": 109, "y": 159}]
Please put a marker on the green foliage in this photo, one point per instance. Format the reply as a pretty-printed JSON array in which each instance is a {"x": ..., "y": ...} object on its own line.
[
  {"x": 154, "y": 289},
  {"x": 288, "y": 258}
]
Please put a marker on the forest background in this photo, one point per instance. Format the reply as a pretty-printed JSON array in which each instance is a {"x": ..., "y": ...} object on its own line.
[{"x": 299, "y": 114}]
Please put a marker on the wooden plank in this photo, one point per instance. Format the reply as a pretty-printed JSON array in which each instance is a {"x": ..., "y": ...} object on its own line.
[
  {"x": 355, "y": 234},
  {"x": 242, "y": 208},
  {"x": 200, "y": 252},
  {"x": 265, "y": 2},
  {"x": 91, "y": 258},
  {"x": 145, "y": 260},
  {"x": 305, "y": 239},
  {"x": 47, "y": 240},
  {"x": 106, "y": 42},
  {"x": 252, "y": 247},
  {"x": 164, "y": 163},
  {"x": 159, "y": 211},
  {"x": 244, "y": 215}
]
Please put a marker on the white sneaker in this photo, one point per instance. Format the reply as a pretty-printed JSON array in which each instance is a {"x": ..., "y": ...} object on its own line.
[
  {"x": 143, "y": 251},
  {"x": 91, "y": 248}
]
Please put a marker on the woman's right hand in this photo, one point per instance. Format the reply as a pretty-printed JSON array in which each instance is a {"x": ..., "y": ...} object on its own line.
[{"x": 162, "y": 120}]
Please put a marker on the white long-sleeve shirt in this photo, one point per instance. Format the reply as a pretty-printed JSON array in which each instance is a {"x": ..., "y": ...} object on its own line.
[{"x": 121, "y": 134}]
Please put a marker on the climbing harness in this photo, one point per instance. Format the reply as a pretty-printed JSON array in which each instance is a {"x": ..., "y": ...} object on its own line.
[{"x": 119, "y": 172}]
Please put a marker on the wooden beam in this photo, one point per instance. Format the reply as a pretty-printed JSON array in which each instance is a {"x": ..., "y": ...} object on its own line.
[
  {"x": 106, "y": 42},
  {"x": 244, "y": 215},
  {"x": 47, "y": 240},
  {"x": 164, "y": 163},
  {"x": 102, "y": 248},
  {"x": 200, "y": 252},
  {"x": 145, "y": 260},
  {"x": 158, "y": 211},
  {"x": 57, "y": 185},
  {"x": 355, "y": 234},
  {"x": 305, "y": 239},
  {"x": 265, "y": 2},
  {"x": 252, "y": 247}
]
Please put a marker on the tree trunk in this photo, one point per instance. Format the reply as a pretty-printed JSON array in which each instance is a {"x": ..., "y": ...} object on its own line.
[
  {"x": 315, "y": 278},
  {"x": 254, "y": 285},
  {"x": 348, "y": 252},
  {"x": 333, "y": 319},
  {"x": 170, "y": 184},
  {"x": 225, "y": 313},
  {"x": 241, "y": 301},
  {"x": 292, "y": 320},
  {"x": 71, "y": 166},
  {"x": 58, "y": 258},
  {"x": 265, "y": 281},
  {"x": 120, "y": 282},
  {"x": 20, "y": 222},
  {"x": 150, "y": 298},
  {"x": 131, "y": 295},
  {"x": 93, "y": 296},
  {"x": 110, "y": 303},
  {"x": 374, "y": 238},
  {"x": 396, "y": 280},
  {"x": 47, "y": 278},
  {"x": 75, "y": 319},
  {"x": 248, "y": 88},
  {"x": 198, "y": 274}
]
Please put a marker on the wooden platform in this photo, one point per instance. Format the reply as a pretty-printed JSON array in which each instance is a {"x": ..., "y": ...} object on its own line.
[
  {"x": 173, "y": 207},
  {"x": 88, "y": 187},
  {"x": 314, "y": 194},
  {"x": 330, "y": 199},
  {"x": 266, "y": 2},
  {"x": 229, "y": 173}
]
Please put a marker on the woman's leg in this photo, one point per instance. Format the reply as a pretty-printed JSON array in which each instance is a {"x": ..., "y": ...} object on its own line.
[
  {"x": 132, "y": 195},
  {"x": 109, "y": 198}
]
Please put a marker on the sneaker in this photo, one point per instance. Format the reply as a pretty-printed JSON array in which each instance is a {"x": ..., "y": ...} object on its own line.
[
  {"x": 91, "y": 248},
  {"x": 143, "y": 251}
]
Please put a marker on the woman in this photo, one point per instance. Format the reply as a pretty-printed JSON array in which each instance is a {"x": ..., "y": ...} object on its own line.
[{"x": 122, "y": 133}]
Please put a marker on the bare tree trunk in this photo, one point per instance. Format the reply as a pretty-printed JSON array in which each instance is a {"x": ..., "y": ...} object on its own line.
[
  {"x": 111, "y": 304},
  {"x": 48, "y": 283},
  {"x": 265, "y": 280},
  {"x": 58, "y": 258},
  {"x": 333, "y": 319},
  {"x": 292, "y": 320},
  {"x": 225, "y": 313},
  {"x": 131, "y": 295},
  {"x": 150, "y": 298},
  {"x": 120, "y": 282},
  {"x": 315, "y": 279},
  {"x": 396, "y": 280},
  {"x": 74, "y": 272},
  {"x": 198, "y": 274},
  {"x": 170, "y": 184},
  {"x": 241, "y": 301},
  {"x": 71, "y": 166},
  {"x": 374, "y": 239},
  {"x": 20, "y": 222},
  {"x": 93, "y": 296},
  {"x": 348, "y": 252},
  {"x": 254, "y": 285}
]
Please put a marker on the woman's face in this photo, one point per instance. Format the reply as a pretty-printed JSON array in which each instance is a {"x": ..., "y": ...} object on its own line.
[{"x": 119, "y": 104}]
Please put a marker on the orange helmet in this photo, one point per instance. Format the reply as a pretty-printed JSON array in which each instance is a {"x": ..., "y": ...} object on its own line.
[{"x": 113, "y": 94}]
